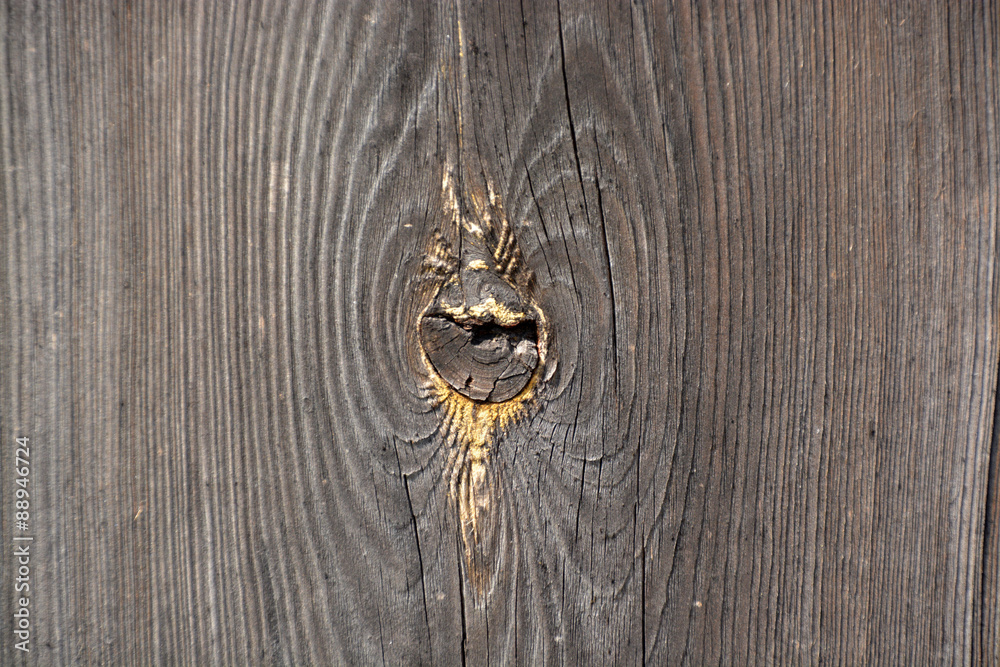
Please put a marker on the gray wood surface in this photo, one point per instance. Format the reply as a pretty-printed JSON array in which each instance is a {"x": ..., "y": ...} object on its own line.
[{"x": 763, "y": 238}]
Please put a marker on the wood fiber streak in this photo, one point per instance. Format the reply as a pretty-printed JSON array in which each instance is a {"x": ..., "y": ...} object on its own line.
[{"x": 764, "y": 241}]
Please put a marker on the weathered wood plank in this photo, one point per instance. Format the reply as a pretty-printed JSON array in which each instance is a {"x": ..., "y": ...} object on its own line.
[{"x": 758, "y": 244}]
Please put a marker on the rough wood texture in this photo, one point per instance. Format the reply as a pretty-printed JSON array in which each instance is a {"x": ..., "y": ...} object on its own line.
[{"x": 765, "y": 239}]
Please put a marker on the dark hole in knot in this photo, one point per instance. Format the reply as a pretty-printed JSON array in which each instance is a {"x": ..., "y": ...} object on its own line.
[{"x": 481, "y": 360}]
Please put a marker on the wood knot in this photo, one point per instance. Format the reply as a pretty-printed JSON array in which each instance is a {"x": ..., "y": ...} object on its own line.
[
  {"x": 481, "y": 334},
  {"x": 479, "y": 358}
]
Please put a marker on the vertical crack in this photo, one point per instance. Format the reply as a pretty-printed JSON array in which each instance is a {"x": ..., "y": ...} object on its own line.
[
  {"x": 611, "y": 279},
  {"x": 420, "y": 559},
  {"x": 569, "y": 108},
  {"x": 990, "y": 562},
  {"x": 461, "y": 600}
]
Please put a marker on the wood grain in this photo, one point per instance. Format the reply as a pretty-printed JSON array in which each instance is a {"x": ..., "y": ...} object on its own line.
[{"x": 764, "y": 241}]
